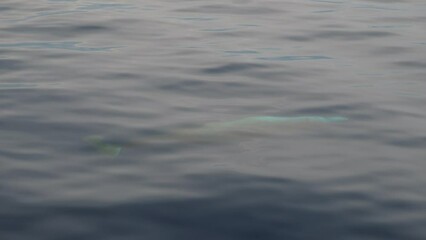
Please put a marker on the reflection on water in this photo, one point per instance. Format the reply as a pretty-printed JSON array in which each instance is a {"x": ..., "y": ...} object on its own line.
[
  {"x": 10, "y": 86},
  {"x": 84, "y": 8},
  {"x": 75, "y": 46},
  {"x": 212, "y": 119}
]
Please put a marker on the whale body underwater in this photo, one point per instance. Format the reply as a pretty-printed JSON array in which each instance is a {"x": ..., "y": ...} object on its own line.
[{"x": 248, "y": 127}]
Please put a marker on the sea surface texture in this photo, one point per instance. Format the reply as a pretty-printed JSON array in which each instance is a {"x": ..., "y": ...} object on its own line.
[{"x": 213, "y": 120}]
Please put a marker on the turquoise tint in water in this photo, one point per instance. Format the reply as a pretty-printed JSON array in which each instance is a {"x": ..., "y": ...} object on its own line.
[
  {"x": 295, "y": 58},
  {"x": 275, "y": 119},
  {"x": 212, "y": 120}
]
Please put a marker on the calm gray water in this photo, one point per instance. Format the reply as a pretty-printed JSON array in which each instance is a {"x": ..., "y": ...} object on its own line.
[{"x": 121, "y": 119}]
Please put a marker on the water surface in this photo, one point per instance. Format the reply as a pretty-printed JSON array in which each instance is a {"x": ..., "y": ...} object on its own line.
[{"x": 136, "y": 73}]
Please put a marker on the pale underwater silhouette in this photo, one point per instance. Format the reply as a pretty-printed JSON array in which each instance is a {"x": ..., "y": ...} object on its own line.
[{"x": 245, "y": 127}]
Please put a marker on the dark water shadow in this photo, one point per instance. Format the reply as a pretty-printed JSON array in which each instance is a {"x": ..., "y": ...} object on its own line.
[{"x": 236, "y": 207}]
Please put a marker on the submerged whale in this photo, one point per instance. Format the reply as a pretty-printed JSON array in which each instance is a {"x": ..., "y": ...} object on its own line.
[{"x": 218, "y": 131}]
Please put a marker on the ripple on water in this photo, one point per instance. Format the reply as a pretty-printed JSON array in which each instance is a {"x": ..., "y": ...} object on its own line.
[
  {"x": 231, "y": 206},
  {"x": 64, "y": 45},
  {"x": 232, "y": 68},
  {"x": 80, "y": 78},
  {"x": 340, "y": 35}
]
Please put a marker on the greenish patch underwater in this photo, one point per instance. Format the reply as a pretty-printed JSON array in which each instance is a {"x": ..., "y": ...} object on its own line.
[{"x": 98, "y": 142}]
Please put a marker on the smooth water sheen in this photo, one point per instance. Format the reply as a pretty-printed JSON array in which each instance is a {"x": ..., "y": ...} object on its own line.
[{"x": 99, "y": 99}]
